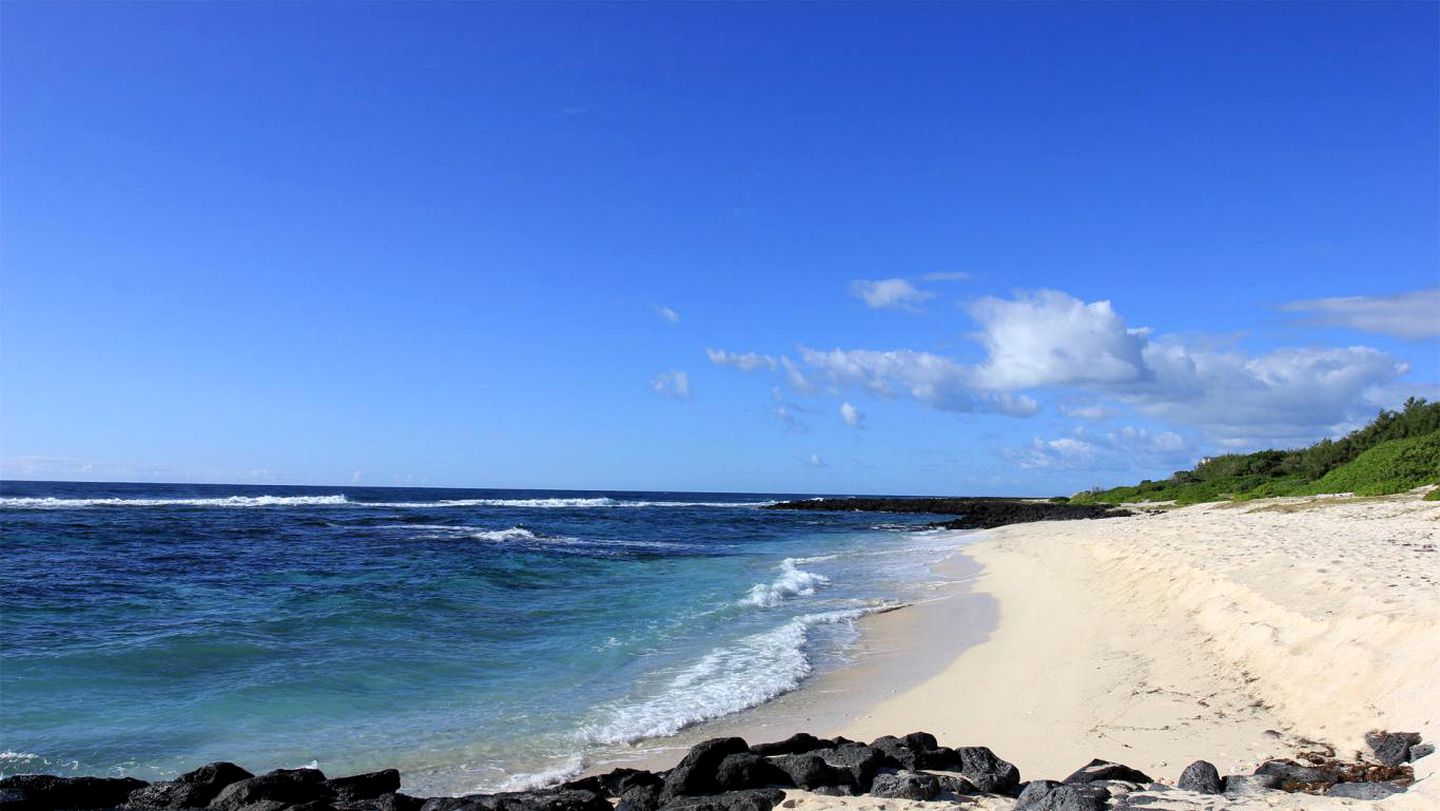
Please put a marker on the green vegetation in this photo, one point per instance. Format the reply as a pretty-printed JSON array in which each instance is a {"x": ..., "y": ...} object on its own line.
[
  {"x": 1400, "y": 450},
  {"x": 1433, "y": 495}
]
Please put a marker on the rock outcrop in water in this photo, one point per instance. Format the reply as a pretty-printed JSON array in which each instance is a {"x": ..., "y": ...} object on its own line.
[
  {"x": 974, "y": 513},
  {"x": 726, "y": 774}
]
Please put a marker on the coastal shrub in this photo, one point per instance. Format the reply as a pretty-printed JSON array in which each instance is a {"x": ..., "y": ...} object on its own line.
[
  {"x": 1329, "y": 466},
  {"x": 1390, "y": 467},
  {"x": 1433, "y": 495}
]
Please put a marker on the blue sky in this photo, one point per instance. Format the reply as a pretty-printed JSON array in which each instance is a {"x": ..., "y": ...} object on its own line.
[{"x": 939, "y": 248}]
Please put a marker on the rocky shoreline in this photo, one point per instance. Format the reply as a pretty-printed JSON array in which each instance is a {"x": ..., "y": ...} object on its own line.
[
  {"x": 727, "y": 774},
  {"x": 974, "y": 513}
]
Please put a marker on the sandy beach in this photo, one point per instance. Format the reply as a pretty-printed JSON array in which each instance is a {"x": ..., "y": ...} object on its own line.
[{"x": 1225, "y": 632}]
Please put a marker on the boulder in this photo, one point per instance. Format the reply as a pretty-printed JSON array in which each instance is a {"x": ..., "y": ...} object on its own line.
[
  {"x": 906, "y": 785},
  {"x": 811, "y": 772},
  {"x": 989, "y": 773},
  {"x": 639, "y": 798},
  {"x": 1048, "y": 795},
  {"x": 190, "y": 790},
  {"x": 695, "y": 774},
  {"x": 750, "y": 800},
  {"x": 618, "y": 781},
  {"x": 1421, "y": 750},
  {"x": 1098, "y": 769},
  {"x": 921, "y": 741},
  {"x": 897, "y": 751},
  {"x": 1294, "y": 776},
  {"x": 1392, "y": 748},
  {"x": 285, "y": 786},
  {"x": 1201, "y": 777},
  {"x": 941, "y": 758},
  {"x": 861, "y": 761},
  {"x": 1241, "y": 784},
  {"x": 560, "y": 799},
  {"x": 797, "y": 744},
  {"x": 746, "y": 770},
  {"x": 1364, "y": 791},
  {"x": 385, "y": 802},
  {"x": 365, "y": 786},
  {"x": 956, "y": 786},
  {"x": 44, "y": 792}
]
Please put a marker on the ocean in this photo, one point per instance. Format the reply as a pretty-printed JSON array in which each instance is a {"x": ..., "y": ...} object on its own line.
[{"x": 478, "y": 640}]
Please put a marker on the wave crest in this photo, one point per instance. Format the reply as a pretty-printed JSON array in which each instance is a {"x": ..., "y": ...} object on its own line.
[{"x": 792, "y": 582}]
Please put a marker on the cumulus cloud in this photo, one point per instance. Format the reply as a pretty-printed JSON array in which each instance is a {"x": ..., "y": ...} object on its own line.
[
  {"x": 1048, "y": 341},
  {"x": 852, "y": 416},
  {"x": 1128, "y": 448},
  {"x": 1414, "y": 315},
  {"x": 667, "y": 314},
  {"x": 889, "y": 294},
  {"x": 931, "y": 379},
  {"x": 816, "y": 461},
  {"x": 745, "y": 362},
  {"x": 1049, "y": 338},
  {"x": 673, "y": 384}
]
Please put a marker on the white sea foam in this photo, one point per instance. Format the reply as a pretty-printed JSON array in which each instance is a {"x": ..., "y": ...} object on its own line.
[
  {"x": 792, "y": 582},
  {"x": 541, "y": 779},
  {"x": 50, "y": 503},
  {"x": 735, "y": 677}
]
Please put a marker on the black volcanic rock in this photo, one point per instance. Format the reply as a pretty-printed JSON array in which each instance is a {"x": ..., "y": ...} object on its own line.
[
  {"x": 385, "y": 802},
  {"x": 190, "y": 790},
  {"x": 1048, "y": 795},
  {"x": 751, "y": 800},
  {"x": 976, "y": 513},
  {"x": 1365, "y": 791},
  {"x": 365, "y": 786},
  {"x": 285, "y": 786},
  {"x": 639, "y": 798},
  {"x": 1098, "y": 769},
  {"x": 1392, "y": 748},
  {"x": 810, "y": 771},
  {"x": 906, "y": 785},
  {"x": 797, "y": 744},
  {"x": 896, "y": 749},
  {"x": 861, "y": 761},
  {"x": 1201, "y": 777},
  {"x": 747, "y": 770},
  {"x": 989, "y": 773},
  {"x": 695, "y": 774},
  {"x": 543, "y": 800},
  {"x": 44, "y": 792}
]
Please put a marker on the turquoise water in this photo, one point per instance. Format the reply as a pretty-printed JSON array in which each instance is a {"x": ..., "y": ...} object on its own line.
[{"x": 477, "y": 640}]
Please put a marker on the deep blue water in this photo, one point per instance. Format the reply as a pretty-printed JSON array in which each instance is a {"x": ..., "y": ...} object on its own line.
[{"x": 472, "y": 638}]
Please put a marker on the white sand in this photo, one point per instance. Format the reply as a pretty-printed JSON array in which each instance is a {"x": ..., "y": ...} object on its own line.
[{"x": 1162, "y": 639}]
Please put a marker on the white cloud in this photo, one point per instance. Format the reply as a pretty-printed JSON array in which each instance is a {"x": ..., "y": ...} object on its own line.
[
  {"x": 1094, "y": 413},
  {"x": 1413, "y": 315},
  {"x": 951, "y": 276},
  {"x": 1129, "y": 448},
  {"x": 816, "y": 461},
  {"x": 667, "y": 313},
  {"x": 852, "y": 416},
  {"x": 1053, "y": 342},
  {"x": 931, "y": 379},
  {"x": 674, "y": 384},
  {"x": 889, "y": 294},
  {"x": 1051, "y": 338},
  {"x": 746, "y": 362}
]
